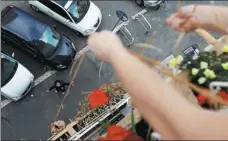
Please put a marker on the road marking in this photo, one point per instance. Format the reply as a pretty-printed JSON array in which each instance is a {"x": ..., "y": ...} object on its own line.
[
  {"x": 45, "y": 76},
  {"x": 36, "y": 82},
  {"x": 5, "y": 102}
]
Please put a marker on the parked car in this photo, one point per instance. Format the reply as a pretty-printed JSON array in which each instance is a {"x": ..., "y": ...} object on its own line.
[
  {"x": 83, "y": 16},
  {"x": 35, "y": 38},
  {"x": 155, "y": 4},
  {"x": 16, "y": 80}
]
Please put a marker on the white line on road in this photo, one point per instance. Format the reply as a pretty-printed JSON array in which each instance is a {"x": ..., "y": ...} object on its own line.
[
  {"x": 5, "y": 102},
  {"x": 36, "y": 82}
]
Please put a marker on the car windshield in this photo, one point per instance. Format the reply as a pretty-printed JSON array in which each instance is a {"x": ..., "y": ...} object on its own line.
[
  {"x": 49, "y": 40},
  {"x": 78, "y": 9},
  {"x": 8, "y": 69}
]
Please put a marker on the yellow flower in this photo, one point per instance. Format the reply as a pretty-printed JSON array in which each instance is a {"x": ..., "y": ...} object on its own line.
[
  {"x": 225, "y": 49},
  {"x": 195, "y": 71},
  {"x": 179, "y": 59},
  {"x": 173, "y": 63},
  {"x": 225, "y": 65}
]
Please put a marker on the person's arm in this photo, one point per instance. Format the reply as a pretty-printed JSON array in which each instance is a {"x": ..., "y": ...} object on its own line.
[
  {"x": 52, "y": 87},
  {"x": 208, "y": 17},
  {"x": 162, "y": 105},
  {"x": 66, "y": 84}
]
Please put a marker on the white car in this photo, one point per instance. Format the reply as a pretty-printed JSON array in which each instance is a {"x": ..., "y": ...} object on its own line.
[
  {"x": 155, "y": 4},
  {"x": 83, "y": 16},
  {"x": 16, "y": 80}
]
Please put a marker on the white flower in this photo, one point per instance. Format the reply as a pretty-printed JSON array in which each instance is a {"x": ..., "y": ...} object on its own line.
[
  {"x": 203, "y": 65},
  {"x": 225, "y": 65},
  {"x": 195, "y": 57},
  {"x": 202, "y": 80},
  {"x": 209, "y": 73},
  {"x": 195, "y": 71},
  {"x": 225, "y": 49}
]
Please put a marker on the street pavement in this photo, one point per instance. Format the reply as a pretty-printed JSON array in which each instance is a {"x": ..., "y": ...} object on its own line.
[{"x": 30, "y": 117}]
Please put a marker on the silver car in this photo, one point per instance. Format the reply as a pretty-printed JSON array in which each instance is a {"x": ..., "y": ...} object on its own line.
[{"x": 155, "y": 4}]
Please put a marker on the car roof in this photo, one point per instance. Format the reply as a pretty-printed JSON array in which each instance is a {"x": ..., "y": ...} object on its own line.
[
  {"x": 61, "y": 2},
  {"x": 22, "y": 24}
]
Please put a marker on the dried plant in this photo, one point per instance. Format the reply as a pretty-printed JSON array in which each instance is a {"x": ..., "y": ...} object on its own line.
[{"x": 71, "y": 83}]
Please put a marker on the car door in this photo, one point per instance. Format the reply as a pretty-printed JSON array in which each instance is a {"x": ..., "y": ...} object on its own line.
[{"x": 15, "y": 40}]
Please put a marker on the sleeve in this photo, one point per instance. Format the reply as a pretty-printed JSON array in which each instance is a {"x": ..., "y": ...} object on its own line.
[
  {"x": 66, "y": 84},
  {"x": 52, "y": 87}
]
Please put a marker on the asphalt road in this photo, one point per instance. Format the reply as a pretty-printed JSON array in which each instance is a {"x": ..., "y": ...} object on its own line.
[{"x": 29, "y": 118}]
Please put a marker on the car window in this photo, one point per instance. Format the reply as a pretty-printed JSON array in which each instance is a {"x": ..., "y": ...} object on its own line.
[
  {"x": 46, "y": 3},
  {"x": 54, "y": 7},
  {"x": 22, "y": 25},
  {"x": 61, "y": 12},
  {"x": 48, "y": 42},
  {"x": 78, "y": 9},
  {"x": 8, "y": 69}
]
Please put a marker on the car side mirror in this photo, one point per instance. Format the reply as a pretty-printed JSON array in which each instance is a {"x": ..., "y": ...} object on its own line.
[
  {"x": 12, "y": 54},
  {"x": 67, "y": 20}
]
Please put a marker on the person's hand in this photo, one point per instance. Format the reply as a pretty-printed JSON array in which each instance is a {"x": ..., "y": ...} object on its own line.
[
  {"x": 104, "y": 44},
  {"x": 190, "y": 17}
]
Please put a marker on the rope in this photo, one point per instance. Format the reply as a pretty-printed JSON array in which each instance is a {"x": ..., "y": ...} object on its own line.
[{"x": 71, "y": 83}]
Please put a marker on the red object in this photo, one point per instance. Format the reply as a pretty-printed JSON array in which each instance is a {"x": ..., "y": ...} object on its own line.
[
  {"x": 201, "y": 99},
  {"x": 10, "y": 6},
  {"x": 98, "y": 98},
  {"x": 115, "y": 132},
  {"x": 224, "y": 95}
]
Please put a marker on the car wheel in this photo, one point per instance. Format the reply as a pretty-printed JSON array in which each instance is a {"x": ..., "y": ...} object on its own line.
[
  {"x": 35, "y": 8},
  {"x": 139, "y": 2},
  {"x": 78, "y": 33},
  {"x": 156, "y": 7}
]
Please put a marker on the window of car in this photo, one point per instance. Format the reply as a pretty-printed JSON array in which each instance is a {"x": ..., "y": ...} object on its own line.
[
  {"x": 8, "y": 69},
  {"x": 78, "y": 9},
  {"x": 22, "y": 25},
  {"x": 57, "y": 9},
  {"x": 48, "y": 42}
]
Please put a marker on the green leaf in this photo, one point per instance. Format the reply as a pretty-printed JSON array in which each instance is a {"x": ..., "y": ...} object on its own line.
[
  {"x": 148, "y": 133},
  {"x": 133, "y": 121},
  {"x": 104, "y": 124}
]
